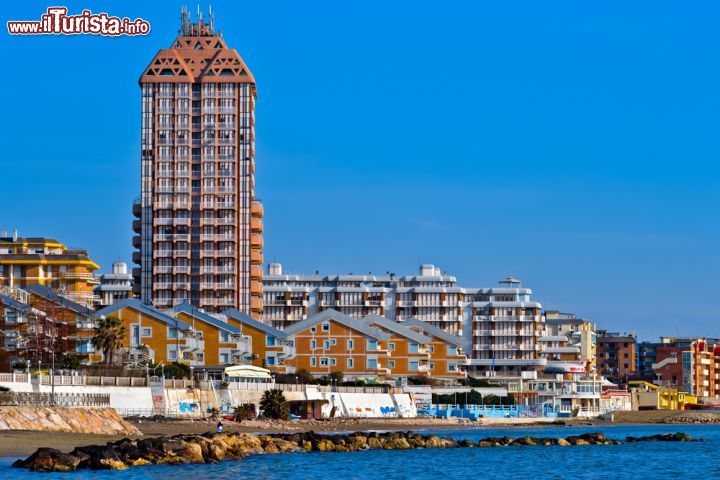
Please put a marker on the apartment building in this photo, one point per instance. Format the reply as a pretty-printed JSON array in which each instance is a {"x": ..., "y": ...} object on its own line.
[
  {"x": 154, "y": 336},
  {"x": 223, "y": 344},
  {"x": 114, "y": 286},
  {"x": 701, "y": 369},
  {"x": 579, "y": 333},
  {"x": 332, "y": 341},
  {"x": 617, "y": 355},
  {"x": 198, "y": 223},
  {"x": 267, "y": 347},
  {"x": 500, "y": 326},
  {"x": 447, "y": 359},
  {"x": 27, "y": 261},
  {"x": 38, "y": 324}
]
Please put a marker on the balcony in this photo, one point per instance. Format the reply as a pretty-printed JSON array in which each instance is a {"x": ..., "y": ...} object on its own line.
[
  {"x": 256, "y": 225},
  {"x": 192, "y": 344}
]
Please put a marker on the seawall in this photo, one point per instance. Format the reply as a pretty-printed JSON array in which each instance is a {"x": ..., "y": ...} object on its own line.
[{"x": 104, "y": 421}]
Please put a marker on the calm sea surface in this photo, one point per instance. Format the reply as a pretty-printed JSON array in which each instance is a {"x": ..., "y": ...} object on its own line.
[{"x": 636, "y": 461}]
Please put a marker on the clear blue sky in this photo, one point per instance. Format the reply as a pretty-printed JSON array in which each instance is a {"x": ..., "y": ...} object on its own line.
[{"x": 574, "y": 146}]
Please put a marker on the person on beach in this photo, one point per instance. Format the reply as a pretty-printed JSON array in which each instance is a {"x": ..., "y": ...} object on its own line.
[{"x": 219, "y": 427}]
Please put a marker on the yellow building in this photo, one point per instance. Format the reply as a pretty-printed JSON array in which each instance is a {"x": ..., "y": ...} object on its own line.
[
  {"x": 27, "y": 261},
  {"x": 332, "y": 341},
  {"x": 446, "y": 351},
  {"x": 155, "y": 336},
  {"x": 224, "y": 344},
  {"x": 409, "y": 350},
  {"x": 267, "y": 347},
  {"x": 647, "y": 396}
]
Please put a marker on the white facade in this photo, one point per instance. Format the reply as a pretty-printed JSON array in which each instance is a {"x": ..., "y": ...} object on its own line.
[{"x": 501, "y": 325}]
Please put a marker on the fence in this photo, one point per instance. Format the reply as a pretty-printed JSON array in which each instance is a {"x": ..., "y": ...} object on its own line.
[
  {"x": 291, "y": 387},
  {"x": 58, "y": 399}
]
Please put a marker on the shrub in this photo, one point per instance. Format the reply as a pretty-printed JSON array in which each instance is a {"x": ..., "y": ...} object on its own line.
[{"x": 244, "y": 412}]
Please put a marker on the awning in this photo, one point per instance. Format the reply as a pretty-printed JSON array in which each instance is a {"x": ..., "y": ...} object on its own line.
[{"x": 248, "y": 371}]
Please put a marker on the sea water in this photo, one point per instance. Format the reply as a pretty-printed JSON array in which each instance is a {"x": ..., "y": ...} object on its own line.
[{"x": 631, "y": 461}]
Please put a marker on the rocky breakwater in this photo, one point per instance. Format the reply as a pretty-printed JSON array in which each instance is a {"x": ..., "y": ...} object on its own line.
[
  {"x": 104, "y": 421},
  {"x": 216, "y": 447}
]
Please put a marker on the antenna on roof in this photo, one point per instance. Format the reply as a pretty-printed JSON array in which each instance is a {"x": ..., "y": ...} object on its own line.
[{"x": 211, "y": 26}]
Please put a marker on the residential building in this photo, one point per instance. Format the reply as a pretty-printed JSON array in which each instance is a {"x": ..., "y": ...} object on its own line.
[
  {"x": 114, "y": 286},
  {"x": 409, "y": 349},
  {"x": 75, "y": 323},
  {"x": 27, "y": 261},
  {"x": 155, "y": 336},
  {"x": 224, "y": 344},
  {"x": 701, "y": 370},
  {"x": 617, "y": 355},
  {"x": 500, "y": 326},
  {"x": 332, "y": 341},
  {"x": 447, "y": 358},
  {"x": 646, "y": 358},
  {"x": 579, "y": 332},
  {"x": 268, "y": 347},
  {"x": 198, "y": 222}
]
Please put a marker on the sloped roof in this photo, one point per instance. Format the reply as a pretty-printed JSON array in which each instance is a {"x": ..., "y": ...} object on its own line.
[
  {"x": 191, "y": 59},
  {"x": 12, "y": 303},
  {"x": 434, "y": 331},
  {"x": 395, "y": 327},
  {"x": 138, "y": 306},
  {"x": 248, "y": 320},
  {"x": 340, "y": 318},
  {"x": 204, "y": 317},
  {"x": 50, "y": 294}
]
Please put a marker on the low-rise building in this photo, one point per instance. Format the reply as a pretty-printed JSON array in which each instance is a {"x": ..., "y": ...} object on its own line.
[{"x": 28, "y": 261}]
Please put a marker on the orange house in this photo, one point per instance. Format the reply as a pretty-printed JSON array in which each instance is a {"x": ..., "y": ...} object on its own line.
[
  {"x": 224, "y": 344},
  {"x": 155, "y": 336},
  {"x": 446, "y": 354},
  {"x": 409, "y": 349},
  {"x": 268, "y": 347},
  {"x": 332, "y": 341}
]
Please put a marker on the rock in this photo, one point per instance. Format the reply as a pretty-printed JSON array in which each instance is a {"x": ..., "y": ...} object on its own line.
[
  {"x": 397, "y": 443},
  {"x": 433, "y": 442},
  {"x": 325, "y": 446},
  {"x": 526, "y": 441},
  {"x": 375, "y": 443},
  {"x": 562, "y": 442}
]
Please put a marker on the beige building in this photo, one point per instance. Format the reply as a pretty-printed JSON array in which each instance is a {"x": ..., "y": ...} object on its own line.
[{"x": 199, "y": 225}]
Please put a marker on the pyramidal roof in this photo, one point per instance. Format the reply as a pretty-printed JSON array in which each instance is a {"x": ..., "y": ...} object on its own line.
[{"x": 198, "y": 55}]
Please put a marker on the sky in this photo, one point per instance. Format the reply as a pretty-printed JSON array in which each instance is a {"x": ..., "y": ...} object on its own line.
[{"x": 573, "y": 145}]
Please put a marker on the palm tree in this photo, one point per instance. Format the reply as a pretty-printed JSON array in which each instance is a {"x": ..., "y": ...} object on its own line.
[
  {"x": 109, "y": 336},
  {"x": 274, "y": 405}
]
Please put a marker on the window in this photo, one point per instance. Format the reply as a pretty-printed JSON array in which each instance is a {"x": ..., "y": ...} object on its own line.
[
  {"x": 452, "y": 350},
  {"x": 333, "y": 341},
  {"x": 372, "y": 364},
  {"x": 313, "y": 362},
  {"x": 431, "y": 349},
  {"x": 391, "y": 346},
  {"x": 147, "y": 332},
  {"x": 313, "y": 344},
  {"x": 270, "y": 361},
  {"x": 431, "y": 366},
  {"x": 224, "y": 358},
  {"x": 172, "y": 354},
  {"x": 413, "y": 366},
  {"x": 172, "y": 332},
  {"x": 224, "y": 336},
  {"x": 313, "y": 329},
  {"x": 413, "y": 348},
  {"x": 350, "y": 344},
  {"x": 350, "y": 363},
  {"x": 326, "y": 344},
  {"x": 333, "y": 362},
  {"x": 270, "y": 341},
  {"x": 452, "y": 367},
  {"x": 372, "y": 345},
  {"x": 326, "y": 327},
  {"x": 391, "y": 364}
]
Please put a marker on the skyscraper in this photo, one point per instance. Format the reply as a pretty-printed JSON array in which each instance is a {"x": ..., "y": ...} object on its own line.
[{"x": 199, "y": 224}]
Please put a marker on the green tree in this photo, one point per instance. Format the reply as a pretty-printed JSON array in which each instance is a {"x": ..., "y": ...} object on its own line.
[
  {"x": 71, "y": 362},
  {"x": 274, "y": 405},
  {"x": 244, "y": 412},
  {"x": 109, "y": 336},
  {"x": 336, "y": 377}
]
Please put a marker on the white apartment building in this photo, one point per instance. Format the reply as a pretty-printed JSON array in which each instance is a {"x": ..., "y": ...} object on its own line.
[
  {"x": 501, "y": 325},
  {"x": 114, "y": 286}
]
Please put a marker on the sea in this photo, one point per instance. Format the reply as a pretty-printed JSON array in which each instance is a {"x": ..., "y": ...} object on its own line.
[{"x": 628, "y": 461}]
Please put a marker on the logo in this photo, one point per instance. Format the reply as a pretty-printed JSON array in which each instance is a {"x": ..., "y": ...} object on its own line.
[{"x": 56, "y": 21}]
